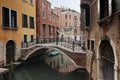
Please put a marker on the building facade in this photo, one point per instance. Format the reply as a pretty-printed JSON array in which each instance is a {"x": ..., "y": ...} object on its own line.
[
  {"x": 47, "y": 21},
  {"x": 18, "y": 20},
  {"x": 100, "y": 22},
  {"x": 69, "y": 22}
]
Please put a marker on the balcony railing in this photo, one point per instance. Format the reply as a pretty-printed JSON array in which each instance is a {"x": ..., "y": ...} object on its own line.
[
  {"x": 28, "y": 44},
  {"x": 85, "y": 2}
]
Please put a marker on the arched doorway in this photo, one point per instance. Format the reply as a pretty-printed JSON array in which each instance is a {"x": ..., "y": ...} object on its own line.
[
  {"x": 107, "y": 60},
  {"x": 10, "y": 51}
]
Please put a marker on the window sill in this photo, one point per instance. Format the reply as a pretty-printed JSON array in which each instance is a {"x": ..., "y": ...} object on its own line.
[
  {"x": 25, "y": 27},
  {"x": 104, "y": 20},
  {"x": 32, "y": 28},
  {"x": 9, "y": 28},
  {"x": 25, "y": 1},
  {"x": 32, "y": 4},
  {"x": 117, "y": 13},
  {"x": 88, "y": 28}
]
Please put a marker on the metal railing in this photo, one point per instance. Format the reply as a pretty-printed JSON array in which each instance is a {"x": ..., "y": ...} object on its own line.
[{"x": 63, "y": 42}]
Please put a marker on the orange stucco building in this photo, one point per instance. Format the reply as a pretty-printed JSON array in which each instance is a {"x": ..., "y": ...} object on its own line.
[{"x": 17, "y": 19}]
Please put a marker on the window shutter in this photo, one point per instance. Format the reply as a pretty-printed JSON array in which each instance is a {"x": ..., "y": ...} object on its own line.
[{"x": 110, "y": 7}]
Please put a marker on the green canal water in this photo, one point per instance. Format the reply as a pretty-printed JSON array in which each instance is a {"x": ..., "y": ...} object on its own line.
[{"x": 38, "y": 69}]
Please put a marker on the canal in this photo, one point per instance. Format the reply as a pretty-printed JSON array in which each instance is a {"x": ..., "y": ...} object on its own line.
[{"x": 44, "y": 68}]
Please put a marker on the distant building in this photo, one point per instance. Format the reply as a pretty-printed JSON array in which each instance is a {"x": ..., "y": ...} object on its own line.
[
  {"x": 69, "y": 22},
  {"x": 100, "y": 21},
  {"x": 47, "y": 21},
  {"x": 18, "y": 19}
]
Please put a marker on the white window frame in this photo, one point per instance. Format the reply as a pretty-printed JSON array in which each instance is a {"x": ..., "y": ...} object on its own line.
[
  {"x": 44, "y": 14},
  {"x": 90, "y": 44},
  {"x": 43, "y": 3},
  {"x": 10, "y": 16}
]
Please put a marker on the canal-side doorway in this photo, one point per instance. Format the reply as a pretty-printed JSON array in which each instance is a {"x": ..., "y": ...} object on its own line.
[
  {"x": 10, "y": 51},
  {"x": 106, "y": 60}
]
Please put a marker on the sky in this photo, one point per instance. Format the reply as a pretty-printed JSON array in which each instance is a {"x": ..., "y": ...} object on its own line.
[{"x": 72, "y": 4}]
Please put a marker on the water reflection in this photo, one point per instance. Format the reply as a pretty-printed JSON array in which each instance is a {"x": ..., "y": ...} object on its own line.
[
  {"x": 61, "y": 63},
  {"x": 46, "y": 68}
]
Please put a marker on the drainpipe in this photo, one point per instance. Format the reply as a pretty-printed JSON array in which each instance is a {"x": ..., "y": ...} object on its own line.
[
  {"x": 119, "y": 24},
  {"x": 91, "y": 64}
]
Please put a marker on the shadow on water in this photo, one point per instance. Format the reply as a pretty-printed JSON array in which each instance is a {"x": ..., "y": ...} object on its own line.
[{"x": 37, "y": 69}]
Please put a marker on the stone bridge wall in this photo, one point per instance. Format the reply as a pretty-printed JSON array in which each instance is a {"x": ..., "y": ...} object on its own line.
[{"x": 78, "y": 58}]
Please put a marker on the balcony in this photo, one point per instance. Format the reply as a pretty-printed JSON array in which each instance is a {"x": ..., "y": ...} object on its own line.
[
  {"x": 84, "y": 3},
  {"x": 88, "y": 28}
]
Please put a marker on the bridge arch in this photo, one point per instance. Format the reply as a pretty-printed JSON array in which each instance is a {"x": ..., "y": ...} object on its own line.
[
  {"x": 41, "y": 50},
  {"x": 35, "y": 52}
]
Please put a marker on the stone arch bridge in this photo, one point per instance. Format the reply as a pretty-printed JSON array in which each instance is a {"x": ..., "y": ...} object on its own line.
[{"x": 37, "y": 49}]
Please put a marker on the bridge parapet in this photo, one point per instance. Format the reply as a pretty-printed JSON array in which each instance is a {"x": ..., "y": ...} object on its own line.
[{"x": 63, "y": 42}]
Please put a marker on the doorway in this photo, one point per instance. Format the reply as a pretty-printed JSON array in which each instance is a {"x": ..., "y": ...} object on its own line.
[
  {"x": 10, "y": 51},
  {"x": 106, "y": 60}
]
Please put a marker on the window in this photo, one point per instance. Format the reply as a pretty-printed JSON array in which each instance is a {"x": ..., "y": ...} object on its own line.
[
  {"x": 5, "y": 17},
  {"x": 75, "y": 23},
  {"x": 32, "y": 22},
  {"x": 75, "y": 17},
  {"x": 65, "y": 16},
  {"x": 92, "y": 45},
  {"x": 70, "y": 24},
  {"x": 24, "y": 21},
  {"x": 9, "y": 18},
  {"x": 43, "y": 4},
  {"x": 107, "y": 8},
  {"x": 88, "y": 44},
  {"x": 57, "y": 19},
  {"x": 65, "y": 23},
  {"x": 43, "y": 14},
  {"x": 49, "y": 30},
  {"x": 25, "y": 38},
  {"x": 53, "y": 30},
  {"x": 70, "y": 17},
  {"x": 114, "y": 9},
  {"x": 87, "y": 16},
  {"x": 103, "y": 8},
  {"x": 49, "y": 16},
  {"x": 53, "y": 18},
  {"x": 75, "y": 31},
  {"x": 49, "y": 7},
  {"x": 43, "y": 29},
  {"x": 13, "y": 19},
  {"x": 31, "y": 1},
  {"x": 32, "y": 38}
]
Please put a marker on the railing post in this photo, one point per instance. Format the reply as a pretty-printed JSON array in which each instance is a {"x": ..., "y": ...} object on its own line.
[
  {"x": 73, "y": 46},
  {"x": 68, "y": 39},
  {"x": 26, "y": 44},
  {"x": 56, "y": 40},
  {"x": 22, "y": 44}
]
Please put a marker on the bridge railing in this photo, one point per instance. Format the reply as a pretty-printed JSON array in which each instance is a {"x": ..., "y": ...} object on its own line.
[
  {"x": 65, "y": 42},
  {"x": 28, "y": 44}
]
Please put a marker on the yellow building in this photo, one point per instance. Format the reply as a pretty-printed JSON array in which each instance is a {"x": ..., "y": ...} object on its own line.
[{"x": 18, "y": 24}]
